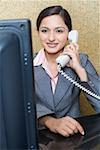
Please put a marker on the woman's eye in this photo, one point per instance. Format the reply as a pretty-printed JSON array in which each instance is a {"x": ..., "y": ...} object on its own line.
[
  {"x": 44, "y": 30},
  {"x": 59, "y": 31}
]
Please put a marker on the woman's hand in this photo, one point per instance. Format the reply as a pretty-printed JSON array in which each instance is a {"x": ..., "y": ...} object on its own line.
[
  {"x": 73, "y": 51},
  {"x": 65, "y": 126}
]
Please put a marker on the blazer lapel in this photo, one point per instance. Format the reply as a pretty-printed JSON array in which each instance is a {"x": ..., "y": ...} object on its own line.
[
  {"x": 44, "y": 82},
  {"x": 63, "y": 85}
]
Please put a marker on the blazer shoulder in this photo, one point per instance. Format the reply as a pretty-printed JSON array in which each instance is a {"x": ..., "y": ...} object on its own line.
[
  {"x": 87, "y": 64},
  {"x": 83, "y": 59}
]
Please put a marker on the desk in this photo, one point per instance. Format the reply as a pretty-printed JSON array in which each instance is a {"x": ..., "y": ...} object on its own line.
[{"x": 90, "y": 141}]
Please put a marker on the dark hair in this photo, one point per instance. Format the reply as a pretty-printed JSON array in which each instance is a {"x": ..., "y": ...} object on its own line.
[{"x": 54, "y": 10}]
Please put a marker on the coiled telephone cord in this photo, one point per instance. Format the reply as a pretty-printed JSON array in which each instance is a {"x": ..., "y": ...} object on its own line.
[{"x": 76, "y": 83}]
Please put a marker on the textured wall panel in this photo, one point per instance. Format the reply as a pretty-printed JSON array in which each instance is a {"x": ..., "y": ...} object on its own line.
[{"x": 85, "y": 15}]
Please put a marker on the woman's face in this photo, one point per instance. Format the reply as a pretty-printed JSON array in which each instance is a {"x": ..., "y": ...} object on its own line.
[{"x": 53, "y": 34}]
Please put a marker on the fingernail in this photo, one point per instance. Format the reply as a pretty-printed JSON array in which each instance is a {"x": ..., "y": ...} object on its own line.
[{"x": 82, "y": 133}]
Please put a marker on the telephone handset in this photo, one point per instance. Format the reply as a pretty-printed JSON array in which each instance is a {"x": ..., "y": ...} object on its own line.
[{"x": 62, "y": 60}]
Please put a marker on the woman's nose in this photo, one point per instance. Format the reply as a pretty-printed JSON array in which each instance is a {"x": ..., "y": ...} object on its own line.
[{"x": 51, "y": 36}]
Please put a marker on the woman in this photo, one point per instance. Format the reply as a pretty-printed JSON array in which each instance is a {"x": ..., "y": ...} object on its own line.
[{"x": 57, "y": 99}]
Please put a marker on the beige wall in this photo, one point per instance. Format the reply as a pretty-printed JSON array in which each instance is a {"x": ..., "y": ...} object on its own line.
[{"x": 84, "y": 13}]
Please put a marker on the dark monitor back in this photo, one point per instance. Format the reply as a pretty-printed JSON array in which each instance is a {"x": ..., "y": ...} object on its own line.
[{"x": 17, "y": 95}]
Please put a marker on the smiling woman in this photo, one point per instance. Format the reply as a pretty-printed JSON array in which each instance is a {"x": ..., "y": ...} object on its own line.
[
  {"x": 57, "y": 99},
  {"x": 53, "y": 35},
  {"x": 81, "y": 13}
]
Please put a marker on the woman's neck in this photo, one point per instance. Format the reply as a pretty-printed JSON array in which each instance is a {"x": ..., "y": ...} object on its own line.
[{"x": 51, "y": 58}]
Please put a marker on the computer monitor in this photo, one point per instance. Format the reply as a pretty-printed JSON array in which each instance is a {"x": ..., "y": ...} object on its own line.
[{"x": 18, "y": 128}]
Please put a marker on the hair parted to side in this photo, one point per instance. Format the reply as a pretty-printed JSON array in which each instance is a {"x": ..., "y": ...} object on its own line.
[{"x": 55, "y": 10}]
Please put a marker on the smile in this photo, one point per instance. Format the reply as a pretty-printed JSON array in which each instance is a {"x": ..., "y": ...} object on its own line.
[{"x": 52, "y": 45}]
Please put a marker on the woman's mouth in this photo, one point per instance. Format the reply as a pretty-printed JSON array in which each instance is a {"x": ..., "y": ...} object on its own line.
[{"x": 52, "y": 45}]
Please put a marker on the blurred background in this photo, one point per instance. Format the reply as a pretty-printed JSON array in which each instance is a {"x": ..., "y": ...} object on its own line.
[{"x": 85, "y": 16}]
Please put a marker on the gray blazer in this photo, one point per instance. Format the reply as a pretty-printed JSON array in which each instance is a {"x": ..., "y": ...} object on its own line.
[{"x": 65, "y": 101}]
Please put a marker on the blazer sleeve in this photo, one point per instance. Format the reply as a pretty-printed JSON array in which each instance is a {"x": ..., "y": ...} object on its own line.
[
  {"x": 42, "y": 110},
  {"x": 93, "y": 81}
]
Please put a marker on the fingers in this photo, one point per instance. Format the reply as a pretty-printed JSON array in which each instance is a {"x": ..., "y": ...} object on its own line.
[
  {"x": 75, "y": 125},
  {"x": 64, "y": 133},
  {"x": 71, "y": 50},
  {"x": 68, "y": 126},
  {"x": 73, "y": 47}
]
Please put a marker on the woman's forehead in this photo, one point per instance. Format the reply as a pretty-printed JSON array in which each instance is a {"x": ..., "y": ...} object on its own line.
[{"x": 53, "y": 21}]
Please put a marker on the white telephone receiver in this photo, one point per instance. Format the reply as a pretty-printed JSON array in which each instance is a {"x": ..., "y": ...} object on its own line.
[
  {"x": 62, "y": 60},
  {"x": 73, "y": 38}
]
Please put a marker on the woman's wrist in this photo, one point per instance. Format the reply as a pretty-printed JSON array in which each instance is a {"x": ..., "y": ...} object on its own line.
[
  {"x": 81, "y": 72},
  {"x": 50, "y": 123}
]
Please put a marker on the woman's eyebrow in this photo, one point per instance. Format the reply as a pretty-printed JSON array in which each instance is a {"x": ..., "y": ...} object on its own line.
[
  {"x": 44, "y": 27},
  {"x": 60, "y": 27}
]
